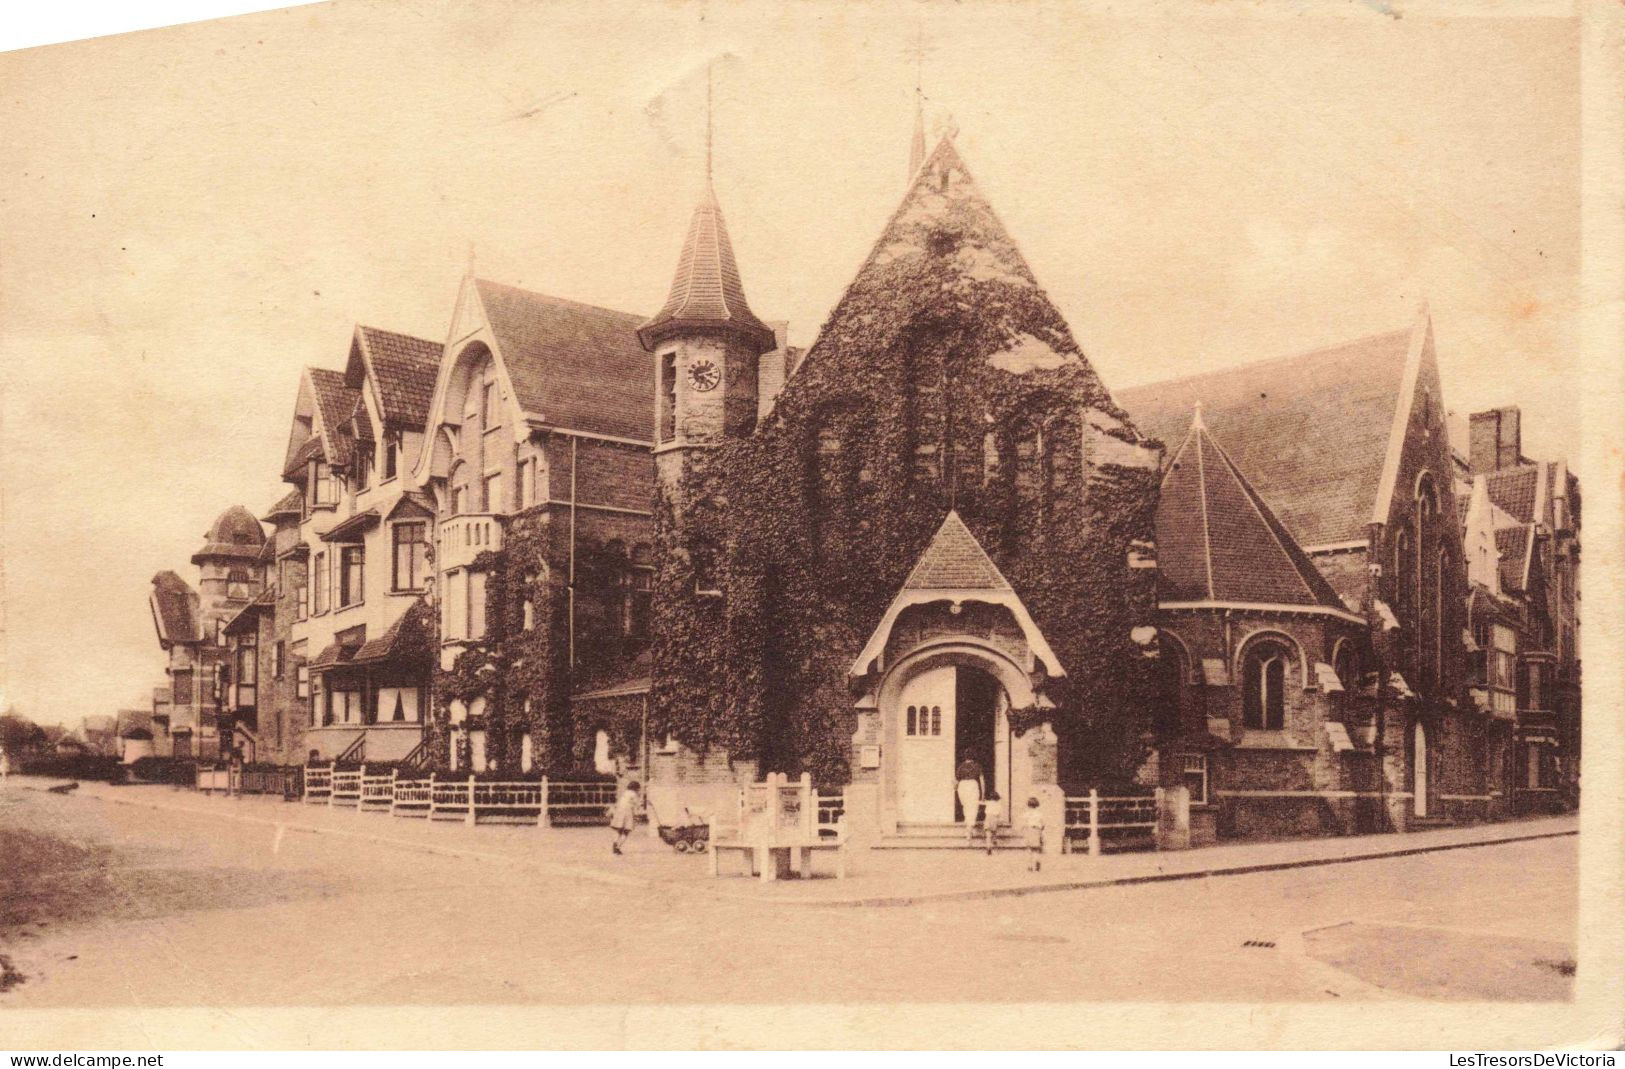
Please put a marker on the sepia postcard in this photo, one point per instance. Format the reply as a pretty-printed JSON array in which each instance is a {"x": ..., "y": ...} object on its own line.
[{"x": 746, "y": 525}]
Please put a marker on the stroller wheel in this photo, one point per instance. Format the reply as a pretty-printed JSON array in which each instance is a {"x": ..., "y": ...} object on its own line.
[
  {"x": 698, "y": 846},
  {"x": 681, "y": 846}
]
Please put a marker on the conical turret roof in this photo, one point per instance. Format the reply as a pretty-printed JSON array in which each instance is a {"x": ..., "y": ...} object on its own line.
[
  {"x": 1217, "y": 541},
  {"x": 706, "y": 293},
  {"x": 236, "y": 534}
]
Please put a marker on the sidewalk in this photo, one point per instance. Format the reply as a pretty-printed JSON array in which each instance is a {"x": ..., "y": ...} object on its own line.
[{"x": 874, "y": 878}]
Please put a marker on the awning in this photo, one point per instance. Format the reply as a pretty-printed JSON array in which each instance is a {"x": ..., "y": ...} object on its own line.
[
  {"x": 343, "y": 650},
  {"x": 352, "y": 529},
  {"x": 297, "y": 551},
  {"x": 404, "y": 635}
]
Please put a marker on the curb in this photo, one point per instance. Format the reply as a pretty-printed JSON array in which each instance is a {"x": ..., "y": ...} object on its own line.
[
  {"x": 1156, "y": 877},
  {"x": 615, "y": 879},
  {"x": 550, "y": 868}
]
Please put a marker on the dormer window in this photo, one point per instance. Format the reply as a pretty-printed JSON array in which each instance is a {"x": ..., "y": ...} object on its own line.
[{"x": 323, "y": 487}]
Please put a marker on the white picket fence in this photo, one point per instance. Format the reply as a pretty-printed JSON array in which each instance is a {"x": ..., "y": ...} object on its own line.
[
  {"x": 1100, "y": 821},
  {"x": 470, "y": 800}
]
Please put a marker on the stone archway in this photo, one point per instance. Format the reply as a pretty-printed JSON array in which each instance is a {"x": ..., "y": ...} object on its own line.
[{"x": 922, "y": 738}]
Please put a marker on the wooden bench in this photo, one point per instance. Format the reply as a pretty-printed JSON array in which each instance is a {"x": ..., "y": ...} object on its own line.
[{"x": 773, "y": 861}]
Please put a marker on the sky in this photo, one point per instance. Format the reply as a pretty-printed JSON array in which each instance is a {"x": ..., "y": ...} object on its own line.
[{"x": 188, "y": 216}]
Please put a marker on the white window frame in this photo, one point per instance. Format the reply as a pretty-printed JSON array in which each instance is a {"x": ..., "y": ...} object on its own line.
[{"x": 1195, "y": 763}]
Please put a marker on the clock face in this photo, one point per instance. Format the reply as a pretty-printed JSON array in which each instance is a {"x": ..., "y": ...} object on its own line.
[{"x": 703, "y": 376}]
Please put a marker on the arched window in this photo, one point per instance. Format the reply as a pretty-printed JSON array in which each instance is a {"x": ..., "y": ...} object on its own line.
[
  {"x": 602, "y": 762},
  {"x": 1346, "y": 663},
  {"x": 1425, "y": 575},
  {"x": 1403, "y": 562},
  {"x": 1263, "y": 681},
  {"x": 1171, "y": 675}
]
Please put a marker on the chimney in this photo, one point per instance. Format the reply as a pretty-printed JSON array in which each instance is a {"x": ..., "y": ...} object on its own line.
[{"x": 1494, "y": 440}]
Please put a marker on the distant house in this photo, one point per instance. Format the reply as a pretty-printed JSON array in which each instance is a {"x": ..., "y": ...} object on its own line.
[
  {"x": 100, "y": 735},
  {"x": 135, "y": 735}
]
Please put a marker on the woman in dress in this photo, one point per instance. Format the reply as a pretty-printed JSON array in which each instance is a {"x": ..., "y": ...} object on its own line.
[{"x": 969, "y": 775}]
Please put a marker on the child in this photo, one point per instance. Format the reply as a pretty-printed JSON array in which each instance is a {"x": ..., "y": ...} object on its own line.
[
  {"x": 990, "y": 819},
  {"x": 624, "y": 814},
  {"x": 1035, "y": 833}
]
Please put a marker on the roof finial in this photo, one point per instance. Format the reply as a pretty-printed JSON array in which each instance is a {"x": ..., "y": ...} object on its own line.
[{"x": 916, "y": 149}]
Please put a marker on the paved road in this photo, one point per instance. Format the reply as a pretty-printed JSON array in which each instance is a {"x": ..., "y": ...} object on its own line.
[{"x": 113, "y": 905}]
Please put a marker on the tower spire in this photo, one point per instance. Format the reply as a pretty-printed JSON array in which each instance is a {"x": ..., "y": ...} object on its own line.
[
  {"x": 916, "y": 147},
  {"x": 708, "y": 125}
]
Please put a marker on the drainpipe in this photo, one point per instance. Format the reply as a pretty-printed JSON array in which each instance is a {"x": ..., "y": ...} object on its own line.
[{"x": 572, "y": 587}]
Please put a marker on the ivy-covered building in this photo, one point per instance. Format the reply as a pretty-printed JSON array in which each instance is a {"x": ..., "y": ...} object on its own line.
[
  {"x": 928, "y": 548},
  {"x": 572, "y": 540}
]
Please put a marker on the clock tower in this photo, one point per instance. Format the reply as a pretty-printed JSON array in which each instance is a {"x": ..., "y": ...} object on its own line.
[{"x": 706, "y": 342}]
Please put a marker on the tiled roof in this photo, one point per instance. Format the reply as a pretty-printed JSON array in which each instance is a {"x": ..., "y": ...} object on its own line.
[
  {"x": 337, "y": 403},
  {"x": 954, "y": 560},
  {"x": 1513, "y": 489},
  {"x": 132, "y": 720},
  {"x": 235, "y": 534},
  {"x": 311, "y": 450},
  {"x": 1513, "y": 545},
  {"x": 174, "y": 608},
  {"x": 706, "y": 290},
  {"x": 1218, "y": 541},
  {"x": 403, "y": 369},
  {"x": 405, "y": 634},
  {"x": 1311, "y": 431},
  {"x": 362, "y": 422},
  {"x": 290, "y": 504},
  {"x": 577, "y": 366}
]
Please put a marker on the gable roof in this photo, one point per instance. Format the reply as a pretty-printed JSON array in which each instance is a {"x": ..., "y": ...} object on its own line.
[
  {"x": 1515, "y": 490},
  {"x": 706, "y": 291},
  {"x": 1312, "y": 431},
  {"x": 1217, "y": 541},
  {"x": 1513, "y": 543},
  {"x": 954, "y": 560},
  {"x": 573, "y": 365},
  {"x": 335, "y": 404},
  {"x": 954, "y": 567},
  {"x": 402, "y": 369},
  {"x": 174, "y": 609}
]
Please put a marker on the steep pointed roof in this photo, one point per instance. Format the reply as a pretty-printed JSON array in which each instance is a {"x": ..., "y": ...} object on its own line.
[
  {"x": 706, "y": 292},
  {"x": 954, "y": 560},
  {"x": 945, "y": 255},
  {"x": 576, "y": 366},
  {"x": 954, "y": 567},
  {"x": 1217, "y": 541},
  {"x": 1312, "y": 430},
  {"x": 174, "y": 610},
  {"x": 402, "y": 369}
]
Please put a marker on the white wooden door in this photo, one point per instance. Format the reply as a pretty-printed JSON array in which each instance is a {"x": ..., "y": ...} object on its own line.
[
  {"x": 925, "y": 747},
  {"x": 1420, "y": 771}
]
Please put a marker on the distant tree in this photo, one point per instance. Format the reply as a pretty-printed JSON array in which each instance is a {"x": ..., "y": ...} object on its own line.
[{"x": 20, "y": 735}]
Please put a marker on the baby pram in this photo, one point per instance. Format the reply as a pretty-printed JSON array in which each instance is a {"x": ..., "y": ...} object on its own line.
[{"x": 689, "y": 836}]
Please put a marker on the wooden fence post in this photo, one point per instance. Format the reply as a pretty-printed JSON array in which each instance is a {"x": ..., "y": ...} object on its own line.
[
  {"x": 1094, "y": 822},
  {"x": 332, "y": 774},
  {"x": 431, "y": 797},
  {"x": 469, "y": 820}
]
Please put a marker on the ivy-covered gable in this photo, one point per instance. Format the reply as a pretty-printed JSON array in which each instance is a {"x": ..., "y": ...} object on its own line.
[{"x": 944, "y": 380}]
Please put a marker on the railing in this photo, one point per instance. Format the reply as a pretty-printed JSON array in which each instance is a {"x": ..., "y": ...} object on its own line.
[
  {"x": 346, "y": 787},
  {"x": 418, "y": 759},
  {"x": 451, "y": 799},
  {"x": 579, "y": 803},
  {"x": 318, "y": 784},
  {"x": 283, "y": 781},
  {"x": 1115, "y": 821},
  {"x": 377, "y": 791},
  {"x": 412, "y": 796},
  {"x": 354, "y": 753},
  {"x": 463, "y": 538},
  {"x": 831, "y": 810}
]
